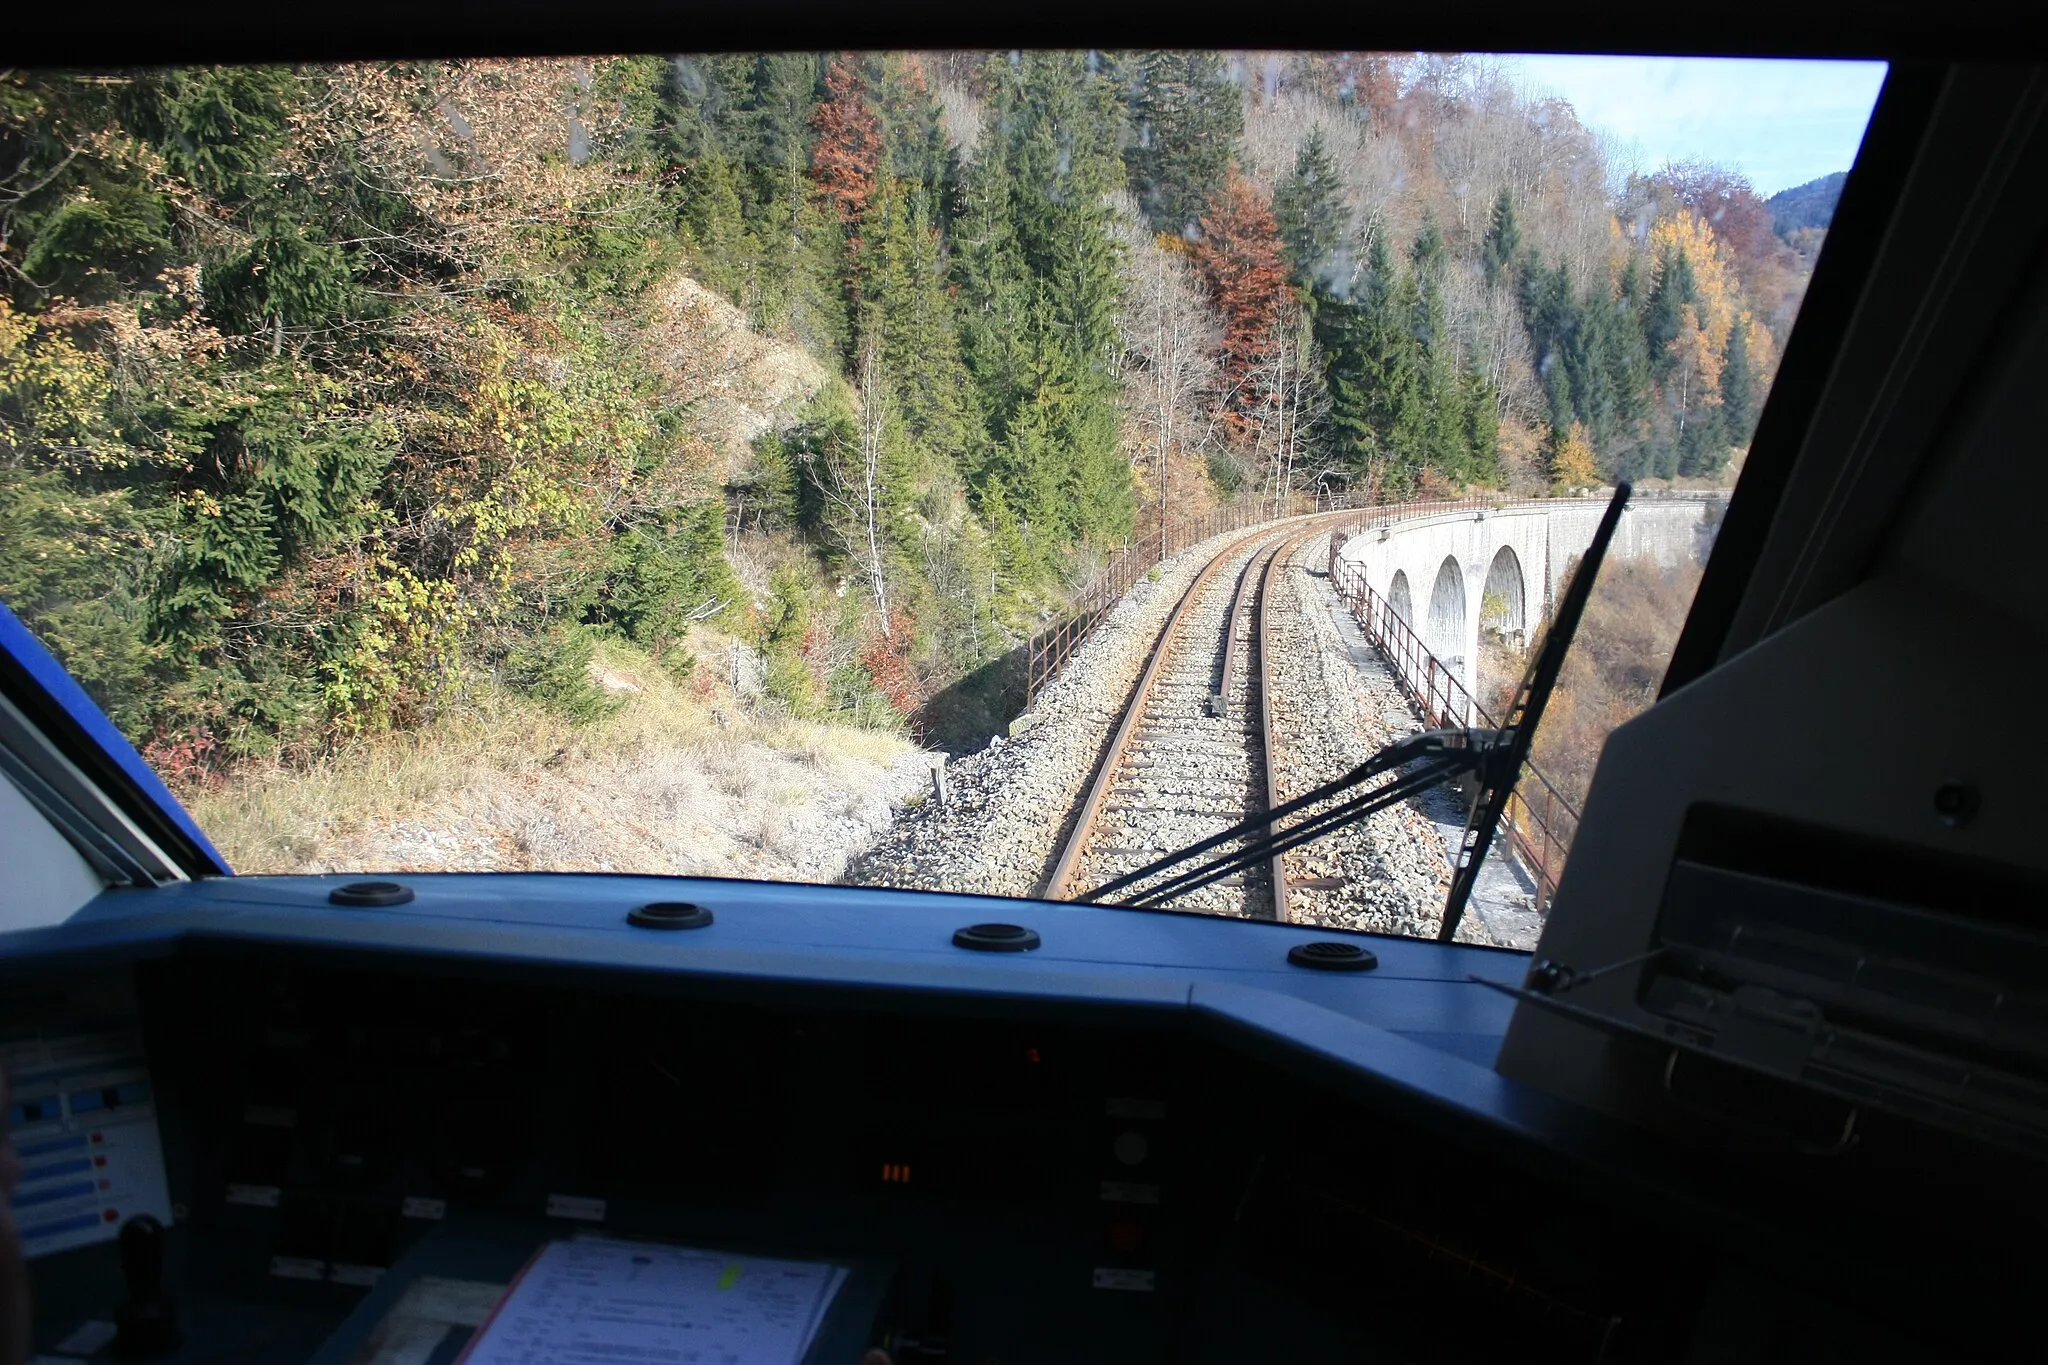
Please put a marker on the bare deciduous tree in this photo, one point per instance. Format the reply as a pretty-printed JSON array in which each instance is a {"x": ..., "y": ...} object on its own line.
[
  {"x": 851, "y": 482},
  {"x": 1170, "y": 335},
  {"x": 1294, "y": 408}
]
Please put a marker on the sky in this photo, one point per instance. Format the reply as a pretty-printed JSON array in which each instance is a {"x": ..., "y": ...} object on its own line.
[{"x": 1781, "y": 123}]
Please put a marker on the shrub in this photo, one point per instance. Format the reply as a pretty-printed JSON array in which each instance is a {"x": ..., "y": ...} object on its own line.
[{"x": 554, "y": 669}]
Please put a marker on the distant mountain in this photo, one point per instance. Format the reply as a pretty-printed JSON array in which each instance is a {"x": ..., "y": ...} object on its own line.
[{"x": 1808, "y": 205}]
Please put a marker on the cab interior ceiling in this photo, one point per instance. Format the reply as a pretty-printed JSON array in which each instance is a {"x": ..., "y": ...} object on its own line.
[{"x": 124, "y": 32}]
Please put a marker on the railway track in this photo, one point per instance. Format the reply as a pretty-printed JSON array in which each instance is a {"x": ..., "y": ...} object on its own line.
[{"x": 1193, "y": 752}]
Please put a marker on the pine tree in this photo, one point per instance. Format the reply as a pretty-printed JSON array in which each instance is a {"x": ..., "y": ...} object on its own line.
[
  {"x": 1405, "y": 418},
  {"x": 1309, "y": 209},
  {"x": 1445, "y": 444},
  {"x": 918, "y": 152},
  {"x": 1040, "y": 294},
  {"x": 1428, "y": 253},
  {"x": 995, "y": 290},
  {"x": 906, "y": 305},
  {"x": 1186, "y": 121},
  {"x": 715, "y": 225},
  {"x": 1501, "y": 252},
  {"x": 1738, "y": 402},
  {"x": 1379, "y": 422},
  {"x": 1664, "y": 319},
  {"x": 1340, "y": 334},
  {"x": 771, "y": 130},
  {"x": 1703, "y": 443},
  {"x": 808, "y": 264},
  {"x": 1482, "y": 428}
]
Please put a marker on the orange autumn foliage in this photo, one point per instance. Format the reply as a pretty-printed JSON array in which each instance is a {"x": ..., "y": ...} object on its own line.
[
  {"x": 1241, "y": 259},
  {"x": 848, "y": 156}
]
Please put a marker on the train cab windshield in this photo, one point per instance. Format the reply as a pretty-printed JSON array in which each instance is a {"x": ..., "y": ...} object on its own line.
[{"x": 962, "y": 471}]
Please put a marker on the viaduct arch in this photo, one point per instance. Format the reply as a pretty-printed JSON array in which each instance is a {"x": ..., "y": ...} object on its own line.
[{"x": 1450, "y": 572}]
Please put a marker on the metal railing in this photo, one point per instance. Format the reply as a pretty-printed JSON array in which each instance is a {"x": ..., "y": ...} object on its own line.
[
  {"x": 1148, "y": 547},
  {"x": 1048, "y": 651},
  {"x": 1539, "y": 822}
]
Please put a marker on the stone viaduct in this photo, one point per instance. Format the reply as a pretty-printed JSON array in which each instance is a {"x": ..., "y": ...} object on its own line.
[{"x": 1450, "y": 569}]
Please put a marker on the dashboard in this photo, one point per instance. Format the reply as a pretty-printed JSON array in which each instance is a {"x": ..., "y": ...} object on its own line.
[{"x": 1043, "y": 1156}]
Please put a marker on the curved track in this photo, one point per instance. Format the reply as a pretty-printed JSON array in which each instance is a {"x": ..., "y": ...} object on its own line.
[{"x": 1192, "y": 754}]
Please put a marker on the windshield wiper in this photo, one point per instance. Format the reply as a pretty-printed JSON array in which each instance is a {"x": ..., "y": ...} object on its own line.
[{"x": 1409, "y": 767}]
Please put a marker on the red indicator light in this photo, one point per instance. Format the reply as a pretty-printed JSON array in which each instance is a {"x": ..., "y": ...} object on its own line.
[
  {"x": 97, "y": 1138},
  {"x": 895, "y": 1173},
  {"x": 1032, "y": 1053},
  {"x": 111, "y": 1216},
  {"x": 99, "y": 1161}
]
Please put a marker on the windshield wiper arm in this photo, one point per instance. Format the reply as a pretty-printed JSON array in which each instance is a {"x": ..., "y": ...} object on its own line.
[
  {"x": 1437, "y": 754},
  {"x": 1496, "y": 755},
  {"x": 1497, "y": 778}
]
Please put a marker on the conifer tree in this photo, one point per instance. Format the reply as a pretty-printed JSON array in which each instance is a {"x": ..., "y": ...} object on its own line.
[
  {"x": 1664, "y": 319},
  {"x": 1309, "y": 209},
  {"x": 1378, "y": 418},
  {"x": 715, "y": 224},
  {"x": 1186, "y": 121},
  {"x": 1738, "y": 402},
  {"x": 1405, "y": 417},
  {"x": 1482, "y": 428},
  {"x": 1040, "y": 292},
  {"x": 1446, "y": 433},
  {"x": 918, "y": 152},
  {"x": 905, "y": 304},
  {"x": 772, "y": 129},
  {"x": 1340, "y": 334},
  {"x": 1703, "y": 442},
  {"x": 1501, "y": 253}
]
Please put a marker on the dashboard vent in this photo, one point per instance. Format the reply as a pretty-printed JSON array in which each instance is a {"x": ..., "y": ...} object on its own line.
[
  {"x": 669, "y": 915},
  {"x": 1328, "y": 955},
  {"x": 370, "y": 894},
  {"x": 996, "y": 938}
]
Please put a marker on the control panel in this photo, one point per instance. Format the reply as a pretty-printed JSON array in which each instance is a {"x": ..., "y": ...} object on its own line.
[{"x": 302, "y": 1147}]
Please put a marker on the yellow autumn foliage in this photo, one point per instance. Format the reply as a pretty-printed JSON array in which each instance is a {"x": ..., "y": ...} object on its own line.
[
  {"x": 1713, "y": 277},
  {"x": 1573, "y": 466}
]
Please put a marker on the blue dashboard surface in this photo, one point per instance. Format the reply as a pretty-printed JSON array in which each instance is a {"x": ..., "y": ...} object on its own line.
[{"x": 1418, "y": 1020}]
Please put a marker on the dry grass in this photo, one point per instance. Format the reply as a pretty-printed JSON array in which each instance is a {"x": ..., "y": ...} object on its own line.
[
  {"x": 683, "y": 779},
  {"x": 1612, "y": 673}
]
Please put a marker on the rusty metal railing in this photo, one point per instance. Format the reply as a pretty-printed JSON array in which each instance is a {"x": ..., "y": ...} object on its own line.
[
  {"x": 1539, "y": 822},
  {"x": 1048, "y": 651},
  {"x": 1149, "y": 547}
]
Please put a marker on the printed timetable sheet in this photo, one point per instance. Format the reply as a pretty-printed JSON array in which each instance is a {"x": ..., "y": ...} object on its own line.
[{"x": 598, "y": 1301}]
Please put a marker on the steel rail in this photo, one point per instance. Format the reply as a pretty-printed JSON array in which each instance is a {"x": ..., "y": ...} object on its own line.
[
  {"x": 1271, "y": 763},
  {"x": 1266, "y": 695},
  {"x": 1219, "y": 699},
  {"x": 1059, "y": 883}
]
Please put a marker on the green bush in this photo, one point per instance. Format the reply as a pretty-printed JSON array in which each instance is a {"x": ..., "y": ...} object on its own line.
[
  {"x": 554, "y": 669},
  {"x": 1226, "y": 471}
]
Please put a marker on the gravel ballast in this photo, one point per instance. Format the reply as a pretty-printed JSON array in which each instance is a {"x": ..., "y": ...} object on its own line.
[
  {"x": 1331, "y": 713},
  {"x": 1008, "y": 806},
  {"x": 1337, "y": 702}
]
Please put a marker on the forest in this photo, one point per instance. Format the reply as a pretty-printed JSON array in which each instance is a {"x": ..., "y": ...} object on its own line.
[{"x": 331, "y": 395}]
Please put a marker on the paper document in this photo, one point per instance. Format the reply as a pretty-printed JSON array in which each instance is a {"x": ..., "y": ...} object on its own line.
[{"x": 603, "y": 1301}]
